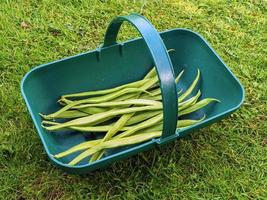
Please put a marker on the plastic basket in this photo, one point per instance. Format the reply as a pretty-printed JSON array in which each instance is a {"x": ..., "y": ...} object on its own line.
[{"x": 114, "y": 64}]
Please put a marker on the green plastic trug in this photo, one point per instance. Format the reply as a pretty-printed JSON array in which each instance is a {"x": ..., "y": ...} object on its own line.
[{"x": 115, "y": 64}]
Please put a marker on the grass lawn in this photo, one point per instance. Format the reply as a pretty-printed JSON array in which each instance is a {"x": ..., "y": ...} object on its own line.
[{"x": 227, "y": 160}]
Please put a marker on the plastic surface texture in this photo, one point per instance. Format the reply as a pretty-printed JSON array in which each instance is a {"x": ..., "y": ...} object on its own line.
[{"x": 115, "y": 64}]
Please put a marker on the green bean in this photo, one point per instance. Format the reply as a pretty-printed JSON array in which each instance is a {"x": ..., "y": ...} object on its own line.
[
  {"x": 126, "y": 97},
  {"x": 97, "y": 156},
  {"x": 49, "y": 122},
  {"x": 115, "y": 128},
  {"x": 188, "y": 122},
  {"x": 157, "y": 91},
  {"x": 91, "y": 110},
  {"x": 170, "y": 50},
  {"x": 79, "y": 147},
  {"x": 151, "y": 122},
  {"x": 155, "y": 98},
  {"x": 124, "y": 118},
  {"x": 119, "y": 103},
  {"x": 115, "y": 143},
  {"x": 142, "y": 116},
  {"x": 102, "y": 128},
  {"x": 185, "y": 104},
  {"x": 197, "y": 106},
  {"x": 84, "y": 125},
  {"x": 151, "y": 73},
  {"x": 99, "y": 116},
  {"x": 138, "y": 106},
  {"x": 135, "y": 84},
  {"x": 142, "y": 125},
  {"x": 84, "y": 128},
  {"x": 63, "y": 101},
  {"x": 86, "y": 145},
  {"x": 179, "y": 76},
  {"x": 180, "y": 124},
  {"x": 190, "y": 89},
  {"x": 94, "y": 100},
  {"x": 71, "y": 114}
]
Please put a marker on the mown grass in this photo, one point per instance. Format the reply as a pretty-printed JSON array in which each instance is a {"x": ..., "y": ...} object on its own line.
[{"x": 227, "y": 160}]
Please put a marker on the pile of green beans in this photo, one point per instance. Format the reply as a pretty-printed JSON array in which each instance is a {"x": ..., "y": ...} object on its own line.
[{"x": 127, "y": 114}]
